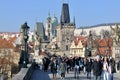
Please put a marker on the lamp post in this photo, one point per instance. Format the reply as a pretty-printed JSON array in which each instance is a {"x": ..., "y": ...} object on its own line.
[{"x": 24, "y": 52}]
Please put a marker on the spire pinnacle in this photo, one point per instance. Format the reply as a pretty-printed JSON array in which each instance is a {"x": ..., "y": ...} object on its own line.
[
  {"x": 48, "y": 14},
  {"x": 65, "y": 17}
]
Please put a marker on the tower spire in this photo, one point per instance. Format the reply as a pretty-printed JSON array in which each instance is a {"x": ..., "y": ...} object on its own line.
[
  {"x": 48, "y": 17},
  {"x": 48, "y": 14},
  {"x": 65, "y": 17}
]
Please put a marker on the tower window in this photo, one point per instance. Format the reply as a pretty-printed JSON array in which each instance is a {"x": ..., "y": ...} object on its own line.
[
  {"x": 48, "y": 34},
  {"x": 48, "y": 25},
  {"x": 67, "y": 47},
  {"x": 45, "y": 46}
]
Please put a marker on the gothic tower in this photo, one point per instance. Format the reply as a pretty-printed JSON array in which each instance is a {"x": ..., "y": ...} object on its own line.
[
  {"x": 51, "y": 27},
  {"x": 48, "y": 31},
  {"x": 54, "y": 24},
  {"x": 65, "y": 17},
  {"x": 40, "y": 30},
  {"x": 65, "y": 31}
]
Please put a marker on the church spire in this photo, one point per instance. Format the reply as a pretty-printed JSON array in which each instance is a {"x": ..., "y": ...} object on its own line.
[
  {"x": 74, "y": 20},
  {"x": 65, "y": 17},
  {"x": 48, "y": 17}
]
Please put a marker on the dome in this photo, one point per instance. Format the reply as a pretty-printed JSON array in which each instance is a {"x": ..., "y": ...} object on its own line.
[{"x": 54, "y": 19}]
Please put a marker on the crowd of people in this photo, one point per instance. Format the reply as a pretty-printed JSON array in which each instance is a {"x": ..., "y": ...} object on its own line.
[{"x": 101, "y": 68}]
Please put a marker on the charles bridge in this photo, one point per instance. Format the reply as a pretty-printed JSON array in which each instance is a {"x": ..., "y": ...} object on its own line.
[
  {"x": 28, "y": 72},
  {"x": 36, "y": 74}
]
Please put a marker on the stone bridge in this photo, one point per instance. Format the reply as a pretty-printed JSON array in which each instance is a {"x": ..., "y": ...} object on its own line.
[
  {"x": 25, "y": 73},
  {"x": 37, "y": 74}
]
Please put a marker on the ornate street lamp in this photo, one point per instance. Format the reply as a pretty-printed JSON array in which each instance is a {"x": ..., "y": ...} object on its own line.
[{"x": 24, "y": 51}]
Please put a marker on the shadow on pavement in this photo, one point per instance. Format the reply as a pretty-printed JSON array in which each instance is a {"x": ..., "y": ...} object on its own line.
[{"x": 40, "y": 75}]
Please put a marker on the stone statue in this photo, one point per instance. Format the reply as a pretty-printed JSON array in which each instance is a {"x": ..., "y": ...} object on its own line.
[
  {"x": 22, "y": 42},
  {"x": 37, "y": 45},
  {"x": 90, "y": 39},
  {"x": 116, "y": 32},
  {"x": 37, "y": 41}
]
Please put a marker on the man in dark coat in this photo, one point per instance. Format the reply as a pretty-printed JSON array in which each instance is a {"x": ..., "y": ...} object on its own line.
[
  {"x": 97, "y": 68},
  {"x": 88, "y": 68}
]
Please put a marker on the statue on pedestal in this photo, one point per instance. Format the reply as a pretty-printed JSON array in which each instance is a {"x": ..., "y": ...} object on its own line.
[
  {"x": 37, "y": 44},
  {"x": 116, "y": 33}
]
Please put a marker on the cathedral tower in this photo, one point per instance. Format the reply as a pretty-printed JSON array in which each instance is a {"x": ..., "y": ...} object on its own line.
[{"x": 65, "y": 31}]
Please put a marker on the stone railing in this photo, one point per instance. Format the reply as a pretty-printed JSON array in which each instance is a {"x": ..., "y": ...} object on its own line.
[{"x": 25, "y": 73}]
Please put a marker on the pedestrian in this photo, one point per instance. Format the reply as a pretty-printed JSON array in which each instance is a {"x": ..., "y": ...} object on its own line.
[
  {"x": 105, "y": 68},
  {"x": 63, "y": 68},
  {"x": 97, "y": 68},
  {"x": 84, "y": 65},
  {"x": 53, "y": 65},
  {"x": 59, "y": 60},
  {"x": 111, "y": 69},
  {"x": 88, "y": 68},
  {"x": 76, "y": 69},
  {"x": 68, "y": 65}
]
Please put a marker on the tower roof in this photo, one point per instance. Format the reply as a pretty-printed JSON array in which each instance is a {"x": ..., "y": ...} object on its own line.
[
  {"x": 48, "y": 17},
  {"x": 40, "y": 29},
  {"x": 54, "y": 19},
  {"x": 65, "y": 17}
]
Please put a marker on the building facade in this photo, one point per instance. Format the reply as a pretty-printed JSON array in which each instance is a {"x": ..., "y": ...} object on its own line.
[
  {"x": 77, "y": 47},
  {"x": 96, "y": 29}
]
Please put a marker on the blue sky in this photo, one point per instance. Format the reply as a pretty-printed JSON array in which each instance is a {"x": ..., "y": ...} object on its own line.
[{"x": 13, "y": 13}]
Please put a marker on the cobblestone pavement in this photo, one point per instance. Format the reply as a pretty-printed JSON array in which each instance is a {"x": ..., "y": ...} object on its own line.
[{"x": 41, "y": 75}]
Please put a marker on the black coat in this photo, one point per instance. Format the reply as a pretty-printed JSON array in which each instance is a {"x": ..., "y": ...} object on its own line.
[
  {"x": 97, "y": 68},
  {"x": 88, "y": 66},
  {"x": 53, "y": 67}
]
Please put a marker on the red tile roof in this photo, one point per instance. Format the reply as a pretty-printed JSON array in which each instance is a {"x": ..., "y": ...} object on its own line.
[
  {"x": 4, "y": 43},
  {"x": 80, "y": 38},
  {"x": 104, "y": 46}
]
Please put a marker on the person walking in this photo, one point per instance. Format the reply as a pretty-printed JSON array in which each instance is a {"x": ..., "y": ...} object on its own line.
[
  {"x": 76, "y": 68},
  {"x": 84, "y": 65},
  {"x": 53, "y": 65},
  {"x": 111, "y": 69},
  {"x": 88, "y": 68},
  {"x": 63, "y": 67},
  {"x": 105, "y": 68},
  {"x": 97, "y": 68}
]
